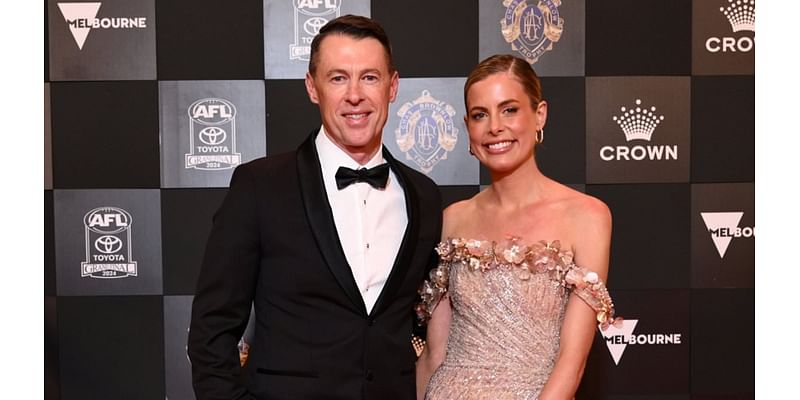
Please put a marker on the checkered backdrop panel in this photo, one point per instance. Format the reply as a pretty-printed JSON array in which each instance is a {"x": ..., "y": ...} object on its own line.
[{"x": 149, "y": 105}]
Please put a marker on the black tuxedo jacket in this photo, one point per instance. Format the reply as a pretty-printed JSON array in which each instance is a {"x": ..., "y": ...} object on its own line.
[{"x": 274, "y": 244}]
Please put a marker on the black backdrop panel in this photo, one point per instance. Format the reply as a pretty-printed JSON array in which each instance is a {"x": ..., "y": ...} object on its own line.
[
  {"x": 291, "y": 116},
  {"x": 649, "y": 247},
  {"x": 177, "y": 317},
  {"x": 430, "y": 38},
  {"x": 723, "y": 129},
  {"x": 111, "y": 347},
  {"x": 644, "y": 397},
  {"x": 723, "y": 341},
  {"x": 48, "y": 140},
  {"x": 738, "y": 396},
  {"x": 51, "y": 371},
  {"x": 561, "y": 155},
  {"x": 208, "y": 39},
  {"x": 632, "y": 37},
  {"x": 49, "y": 246},
  {"x": 186, "y": 222},
  {"x": 105, "y": 134},
  {"x": 452, "y": 194}
]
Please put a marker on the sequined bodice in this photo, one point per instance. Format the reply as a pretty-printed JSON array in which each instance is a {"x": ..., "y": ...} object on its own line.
[{"x": 508, "y": 304}]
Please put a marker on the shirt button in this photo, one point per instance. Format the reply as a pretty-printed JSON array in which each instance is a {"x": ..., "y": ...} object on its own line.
[{"x": 367, "y": 245}]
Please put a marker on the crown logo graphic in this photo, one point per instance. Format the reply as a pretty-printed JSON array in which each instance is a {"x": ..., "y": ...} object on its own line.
[
  {"x": 741, "y": 14},
  {"x": 638, "y": 123}
]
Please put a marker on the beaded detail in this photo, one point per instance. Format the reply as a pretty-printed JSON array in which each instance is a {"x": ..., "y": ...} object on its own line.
[{"x": 538, "y": 258}]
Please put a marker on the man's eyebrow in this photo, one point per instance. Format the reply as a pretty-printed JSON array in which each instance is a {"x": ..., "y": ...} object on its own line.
[
  {"x": 341, "y": 71},
  {"x": 337, "y": 71}
]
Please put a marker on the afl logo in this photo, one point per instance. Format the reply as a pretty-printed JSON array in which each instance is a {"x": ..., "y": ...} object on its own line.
[
  {"x": 212, "y": 111},
  {"x": 531, "y": 30},
  {"x": 317, "y": 8},
  {"x": 426, "y": 131},
  {"x": 107, "y": 220}
]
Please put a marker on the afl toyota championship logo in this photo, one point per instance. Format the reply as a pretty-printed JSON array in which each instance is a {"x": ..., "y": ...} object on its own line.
[
  {"x": 108, "y": 244},
  {"x": 426, "y": 131},
  {"x": 531, "y": 29},
  {"x": 212, "y": 135},
  {"x": 309, "y": 17}
]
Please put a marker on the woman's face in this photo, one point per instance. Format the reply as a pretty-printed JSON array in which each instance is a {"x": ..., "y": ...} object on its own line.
[{"x": 502, "y": 122}]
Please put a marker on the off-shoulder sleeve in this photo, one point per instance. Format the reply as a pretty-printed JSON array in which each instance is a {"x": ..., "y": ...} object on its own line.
[
  {"x": 432, "y": 291},
  {"x": 592, "y": 290}
]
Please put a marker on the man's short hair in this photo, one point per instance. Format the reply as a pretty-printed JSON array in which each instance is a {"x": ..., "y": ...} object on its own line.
[{"x": 355, "y": 26}]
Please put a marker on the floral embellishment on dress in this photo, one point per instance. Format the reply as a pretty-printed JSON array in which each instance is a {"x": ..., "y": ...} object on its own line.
[{"x": 538, "y": 258}]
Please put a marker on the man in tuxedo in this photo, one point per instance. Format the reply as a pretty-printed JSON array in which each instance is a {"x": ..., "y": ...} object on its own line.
[{"x": 329, "y": 244}]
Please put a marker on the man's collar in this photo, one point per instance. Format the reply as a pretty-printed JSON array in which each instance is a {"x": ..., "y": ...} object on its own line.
[{"x": 332, "y": 156}]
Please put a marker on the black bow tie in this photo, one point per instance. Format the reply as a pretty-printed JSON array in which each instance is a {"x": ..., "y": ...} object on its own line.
[{"x": 376, "y": 176}]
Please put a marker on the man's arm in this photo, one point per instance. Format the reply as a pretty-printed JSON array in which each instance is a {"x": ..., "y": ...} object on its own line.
[{"x": 225, "y": 291}]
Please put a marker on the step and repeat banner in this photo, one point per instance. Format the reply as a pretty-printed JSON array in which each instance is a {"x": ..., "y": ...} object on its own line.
[{"x": 151, "y": 104}]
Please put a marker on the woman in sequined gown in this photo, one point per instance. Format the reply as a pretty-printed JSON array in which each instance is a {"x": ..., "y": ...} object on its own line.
[{"x": 514, "y": 304}]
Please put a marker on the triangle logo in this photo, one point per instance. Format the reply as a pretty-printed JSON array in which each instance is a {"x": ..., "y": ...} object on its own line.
[
  {"x": 717, "y": 220},
  {"x": 73, "y": 12},
  {"x": 612, "y": 335}
]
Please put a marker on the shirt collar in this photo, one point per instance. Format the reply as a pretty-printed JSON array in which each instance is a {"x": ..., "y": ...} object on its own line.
[{"x": 331, "y": 157}]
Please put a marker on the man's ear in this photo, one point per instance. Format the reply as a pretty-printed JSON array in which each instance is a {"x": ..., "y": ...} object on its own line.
[
  {"x": 394, "y": 84},
  {"x": 310, "y": 89}
]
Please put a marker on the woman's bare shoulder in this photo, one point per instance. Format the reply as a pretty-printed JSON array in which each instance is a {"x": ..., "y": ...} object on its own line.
[
  {"x": 457, "y": 215},
  {"x": 584, "y": 206}
]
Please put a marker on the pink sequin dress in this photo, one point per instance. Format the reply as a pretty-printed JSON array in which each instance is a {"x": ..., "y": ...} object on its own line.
[{"x": 508, "y": 303}]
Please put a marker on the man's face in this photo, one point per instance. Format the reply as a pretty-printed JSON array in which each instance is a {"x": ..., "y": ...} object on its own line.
[{"x": 353, "y": 86}]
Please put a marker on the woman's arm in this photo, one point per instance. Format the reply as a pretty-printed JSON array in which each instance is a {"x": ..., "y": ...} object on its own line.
[
  {"x": 435, "y": 346},
  {"x": 591, "y": 244},
  {"x": 439, "y": 323}
]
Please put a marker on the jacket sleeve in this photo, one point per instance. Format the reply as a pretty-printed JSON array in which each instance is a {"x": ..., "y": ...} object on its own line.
[{"x": 224, "y": 294}]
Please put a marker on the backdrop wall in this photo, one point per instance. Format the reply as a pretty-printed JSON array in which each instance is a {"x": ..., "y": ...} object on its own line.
[{"x": 150, "y": 104}]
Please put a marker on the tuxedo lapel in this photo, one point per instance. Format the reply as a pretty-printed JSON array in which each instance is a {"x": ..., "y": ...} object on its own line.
[
  {"x": 320, "y": 218},
  {"x": 402, "y": 261}
]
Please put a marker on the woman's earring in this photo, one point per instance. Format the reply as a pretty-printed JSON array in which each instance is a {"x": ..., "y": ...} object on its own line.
[
  {"x": 540, "y": 136},
  {"x": 470, "y": 151}
]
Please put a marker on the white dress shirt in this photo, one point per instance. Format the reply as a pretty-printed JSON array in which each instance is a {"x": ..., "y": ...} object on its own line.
[{"x": 370, "y": 222}]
